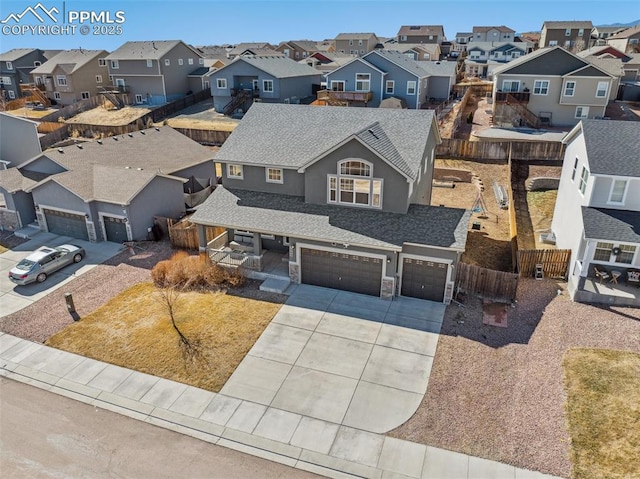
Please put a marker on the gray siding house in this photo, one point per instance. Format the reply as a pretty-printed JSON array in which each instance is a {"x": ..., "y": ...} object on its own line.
[
  {"x": 343, "y": 197},
  {"x": 15, "y": 69},
  {"x": 262, "y": 79},
  {"x": 597, "y": 212},
  {"x": 154, "y": 72},
  {"x": 110, "y": 190},
  {"x": 572, "y": 35},
  {"x": 484, "y": 57},
  {"x": 499, "y": 33}
]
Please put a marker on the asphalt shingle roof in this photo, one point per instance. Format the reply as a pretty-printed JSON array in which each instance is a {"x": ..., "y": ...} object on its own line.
[
  {"x": 144, "y": 50},
  {"x": 629, "y": 32},
  {"x": 613, "y": 147},
  {"x": 610, "y": 224},
  {"x": 355, "y": 36},
  {"x": 276, "y": 66},
  {"x": 16, "y": 53},
  {"x": 421, "y": 30},
  {"x": 400, "y": 59},
  {"x": 500, "y": 28},
  {"x": 13, "y": 179},
  {"x": 557, "y": 61},
  {"x": 586, "y": 24},
  {"x": 438, "y": 68},
  {"x": 291, "y": 216},
  {"x": 69, "y": 60},
  {"x": 294, "y": 135}
]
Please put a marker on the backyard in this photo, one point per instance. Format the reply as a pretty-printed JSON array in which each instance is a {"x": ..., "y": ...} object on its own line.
[{"x": 101, "y": 116}]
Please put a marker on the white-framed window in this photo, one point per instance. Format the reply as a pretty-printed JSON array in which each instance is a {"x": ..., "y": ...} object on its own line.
[
  {"x": 601, "y": 91},
  {"x": 37, "y": 64},
  {"x": 511, "y": 86},
  {"x": 581, "y": 32},
  {"x": 200, "y": 61},
  {"x": 354, "y": 185},
  {"x": 403, "y": 38},
  {"x": 98, "y": 78},
  {"x": 139, "y": 99},
  {"x": 273, "y": 175},
  {"x": 411, "y": 88},
  {"x": 574, "y": 172},
  {"x": 584, "y": 177},
  {"x": 569, "y": 88},
  {"x": 626, "y": 254},
  {"x": 39, "y": 81},
  {"x": 114, "y": 64},
  {"x": 221, "y": 83},
  {"x": 56, "y": 95},
  {"x": 267, "y": 86},
  {"x": 120, "y": 82},
  {"x": 567, "y": 44},
  {"x": 167, "y": 62},
  {"x": 5, "y": 80},
  {"x": 337, "y": 85},
  {"x": 149, "y": 63},
  {"x": 553, "y": 43},
  {"x": 361, "y": 52},
  {"x": 235, "y": 172},
  {"x": 350, "y": 43},
  {"x": 359, "y": 43},
  {"x": 363, "y": 82},
  {"x": 541, "y": 87},
  {"x": 515, "y": 54},
  {"x": 102, "y": 62},
  {"x": 9, "y": 65},
  {"x": 618, "y": 191},
  {"x": 567, "y": 32},
  {"x": 12, "y": 94},
  {"x": 430, "y": 37},
  {"x": 190, "y": 61},
  {"x": 389, "y": 87},
  {"x": 85, "y": 95},
  {"x": 61, "y": 80},
  {"x": 582, "y": 112},
  {"x": 602, "y": 251},
  {"x": 353, "y": 52},
  {"x": 267, "y": 237}
]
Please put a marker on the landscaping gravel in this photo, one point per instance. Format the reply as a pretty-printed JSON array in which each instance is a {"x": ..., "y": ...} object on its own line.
[{"x": 498, "y": 392}]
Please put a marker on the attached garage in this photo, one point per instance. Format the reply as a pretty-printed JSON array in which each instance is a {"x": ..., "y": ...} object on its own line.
[
  {"x": 66, "y": 224},
  {"x": 423, "y": 279},
  {"x": 349, "y": 272},
  {"x": 115, "y": 229}
]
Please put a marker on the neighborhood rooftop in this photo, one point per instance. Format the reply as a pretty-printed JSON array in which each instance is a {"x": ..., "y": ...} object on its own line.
[
  {"x": 613, "y": 147},
  {"x": 277, "y": 66},
  {"x": 13, "y": 55},
  {"x": 144, "y": 50},
  {"x": 611, "y": 224},
  {"x": 69, "y": 60}
]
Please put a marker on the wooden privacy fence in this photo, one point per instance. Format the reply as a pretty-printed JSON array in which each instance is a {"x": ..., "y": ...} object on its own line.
[
  {"x": 205, "y": 137},
  {"x": 555, "y": 262},
  {"x": 184, "y": 234},
  {"x": 500, "y": 150},
  {"x": 486, "y": 283}
]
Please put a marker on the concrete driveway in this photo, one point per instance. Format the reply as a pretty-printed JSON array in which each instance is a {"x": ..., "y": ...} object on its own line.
[
  {"x": 343, "y": 358},
  {"x": 13, "y": 297}
]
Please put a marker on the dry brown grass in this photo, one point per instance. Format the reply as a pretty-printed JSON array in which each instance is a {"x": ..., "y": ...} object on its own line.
[
  {"x": 200, "y": 124},
  {"x": 102, "y": 116},
  {"x": 133, "y": 330},
  {"x": 541, "y": 205},
  {"x": 603, "y": 412},
  {"x": 189, "y": 272}
]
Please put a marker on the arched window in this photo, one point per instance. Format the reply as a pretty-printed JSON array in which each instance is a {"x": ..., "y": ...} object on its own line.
[
  {"x": 353, "y": 185},
  {"x": 355, "y": 168}
]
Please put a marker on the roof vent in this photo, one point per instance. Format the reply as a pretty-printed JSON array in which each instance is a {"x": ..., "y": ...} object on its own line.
[
  {"x": 115, "y": 138},
  {"x": 139, "y": 169},
  {"x": 99, "y": 142},
  {"x": 79, "y": 146},
  {"x": 127, "y": 167},
  {"x": 142, "y": 132},
  {"x": 60, "y": 150},
  {"x": 373, "y": 134},
  {"x": 130, "y": 135},
  {"x": 157, "y": 129}
]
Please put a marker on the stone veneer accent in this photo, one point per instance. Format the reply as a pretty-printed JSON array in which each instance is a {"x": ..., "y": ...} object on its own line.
[
  {"x": 388, "y": 288},
  {"x": 294, "y": 272}
]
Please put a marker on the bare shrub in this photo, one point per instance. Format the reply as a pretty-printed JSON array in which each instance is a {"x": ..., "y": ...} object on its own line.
[{"x": 189, "y": 272}]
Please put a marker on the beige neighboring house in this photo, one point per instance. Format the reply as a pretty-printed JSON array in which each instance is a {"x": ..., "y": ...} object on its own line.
[
  {"x": 461, "y": 42},
  {"x": 327, "y": 62},
  {"x": 603, "y": 32},
  {"x": 499, "y": 33},
  {"x": 421, "y": 34},
  {"x": 298, "y": 49},
  {"x": 356, "y": 43},
  {"x": 572, "y": 35},
  {"x": 417, "y": 51},
  {"x": 550, "y": 86},
  {"x": 627, "y": 41},
  {"x": 73, "y": 75},
  {"x": 241, "y": 48}
]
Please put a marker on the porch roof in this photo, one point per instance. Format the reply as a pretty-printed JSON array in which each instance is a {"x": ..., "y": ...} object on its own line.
[
  {"x": 291, "y": 216},
  {"x": 610, "y": 224}
]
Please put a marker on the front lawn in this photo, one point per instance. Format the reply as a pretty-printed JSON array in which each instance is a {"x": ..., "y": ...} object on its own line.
[
  {"x": 133, "y": 330},
  {"x": 603, "y": 412}
]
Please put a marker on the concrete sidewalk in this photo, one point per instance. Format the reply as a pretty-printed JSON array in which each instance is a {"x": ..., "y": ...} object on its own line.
[{"x": 332, "y": 450}]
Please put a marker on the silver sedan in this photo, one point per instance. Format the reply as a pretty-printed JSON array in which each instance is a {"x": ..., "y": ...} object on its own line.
[{"x": 45, "y": 261}]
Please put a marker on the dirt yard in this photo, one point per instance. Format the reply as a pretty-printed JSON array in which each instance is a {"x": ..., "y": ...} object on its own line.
[
  {"x": 623, "y": 110},
  {"x": 202, "y": 116},
  {"x": 498, "y": 392},
  {"x": 31, "y": 113},
  {"x": 102, "y": 116}
]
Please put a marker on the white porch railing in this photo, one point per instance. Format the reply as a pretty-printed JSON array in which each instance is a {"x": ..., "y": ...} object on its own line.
[{"x": 218, "y": 242}]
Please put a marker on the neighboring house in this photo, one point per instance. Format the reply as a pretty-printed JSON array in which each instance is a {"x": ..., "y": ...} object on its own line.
[
  {"x": 627, "y": 41},
  {"x": 550, "y": 86},
  {"x": 531, "y": 37},
  {"x": 499, "y": 33},
  {"x": 154, "y": 72},
  {"x": 342, "y": 196},
  {"x": 462, "y": 40},
  {"x": 18, "y": 144},
  {"x": 72, "y": 75},
  {"x": 15, "y": 69},
  {"x": 603, "y": 32},
  {"x": 483, "y": 57},
  {"x": 298, "y": 49},
  {"x": 597, "y": 212},
  {"x": 418, "y": 51},
  {"x": 630, "y": 62},
  {"x": 356, "y": 43},
  {"x": 110, "y": 189},
  {"x": 385, "y": 73},
  {"x": 241, "y": 48},
  {"x": 421, "y": 34},
  {"x": 266, "y": 79},
  {"x": 572, "y": 35},
  {"x": 327, "y": 46},
  {"x": 326, "y": 62}
]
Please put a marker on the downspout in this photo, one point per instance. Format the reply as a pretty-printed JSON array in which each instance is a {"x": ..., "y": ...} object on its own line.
[
  {"x": 418, "y": 94},
  {"x": 164, "y": 89}
]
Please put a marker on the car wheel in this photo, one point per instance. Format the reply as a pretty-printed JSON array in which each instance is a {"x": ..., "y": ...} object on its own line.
[
  {"x": 77, "y": 258},
  {"x": 41, "y": 277}
]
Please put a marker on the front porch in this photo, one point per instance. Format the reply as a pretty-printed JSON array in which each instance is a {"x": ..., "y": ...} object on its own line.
[{"x": 615, "y": 287}]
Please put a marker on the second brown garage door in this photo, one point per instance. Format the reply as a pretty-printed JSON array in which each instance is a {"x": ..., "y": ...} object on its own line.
[
  {"x": 423, "y": 279},
  {"x": 360, "y": 274}
]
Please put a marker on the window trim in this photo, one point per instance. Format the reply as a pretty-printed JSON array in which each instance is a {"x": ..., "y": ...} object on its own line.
[
  {"x": 415, "y": 87},
  {"x": 102, "y": 62},
  {"x": 566, "y": 88},
  {"x": 9, "y": 65},
  {"x": 541, "y": 88},
  {"x": 98, "y": 78},
  {"x": 12, "y": 94},
  {"x": 221, "y": 83},
  {"x": 584, "y": 110},
  {"x": 115, "y": 65},
  {"x": 584, "y": 179},
  {"x": 268, "y": 170},
  {"x": 235, "y": 177},
  {"x": 337, "y": 82},
  {"x": 85, "y": 95},
  {"x": 575, "y": 169},
  {"x": 149, "y": 63},
  {"x": 180, "y": 61},
  {"x": 57, "y": 95},
  {"x": 511, "y": 82},
  {"x": 386, "y": 87},
  {"x": 624, "y": 191},
  {"x": 264, "y": 86},
  {"x": 167, "y": 62},
  {"x": 606, "y": 89},
  {"x": 567, "y": 32},
  {"x": 61, "y": 80},
  {"x": 367, "y": 81},
  {"x": 337, "y": 177}
]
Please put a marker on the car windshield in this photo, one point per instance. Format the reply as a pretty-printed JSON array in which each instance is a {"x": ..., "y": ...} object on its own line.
[
  {"x": 25, "y": 264},
  {"x": 62, "y": 250}
]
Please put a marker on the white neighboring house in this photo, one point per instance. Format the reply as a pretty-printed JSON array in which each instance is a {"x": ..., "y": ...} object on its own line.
[{"x": 597, "y": 213}]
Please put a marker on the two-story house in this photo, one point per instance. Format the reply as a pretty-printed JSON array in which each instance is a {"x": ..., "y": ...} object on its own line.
[
  {"x": 627, "y": 41},
  {"x": 421, "y": 34},
  {"x": 461, "y": 41},
  {"x": 298, "y": 49},
  {"x": 342, "y": 195},
  {"x": 418, "y": 51},
  {"x": 266, "y": 79},
  {"x": 572, "y": 35},
  {"x": 72, "y": 75},
  {"x": 498, "y": 33},
  {"x": 483, "y": 57},
  {"x": 550, "y": 86},
  {"x": 153, "y": 72},
  {"x": 356, "y": 43},
  {"x": 15, "y": 69},
  {"x": 601, "y": 33},
  {"x": 326, "y": 62},
  {"x": 597, "y": 212}
]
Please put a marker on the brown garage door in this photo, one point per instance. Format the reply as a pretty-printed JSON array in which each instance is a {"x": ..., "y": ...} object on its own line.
[
  {"x": 348, "y": 272},
  {"x": 423, "y": 279}
]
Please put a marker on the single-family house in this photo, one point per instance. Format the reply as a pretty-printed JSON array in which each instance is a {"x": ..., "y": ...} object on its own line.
[
  {"x": 421, "y": 34},
  {"x": 461, "y": 41},
  {"x": 326, "y": 62},
  {"x": 601, "y": 33},
  {"x": 500, "y": 33},
  {"x": 627, "y": 41},
  {"x": 72, "y": 75},
  {"x": 153, "y": 72},
  {"x": 342, "y": 197},
  {"x": 298, "y": 49},
  {"x": 265, "y": 79},
  {"x": 110, "y": 189},
  {"x": 356, "y": 43},
  {"x": 597, "y": 212},
  {"x": 248, "y": 47},
  {"x": 532, "y": 38},
  {"x": 15, "y": 69},
  {"x": 572, "y": 35},
  {"x": 418, "y": 51},
  {"x": 483, "y": 57},
  {"x": 550, "y": 86}
]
